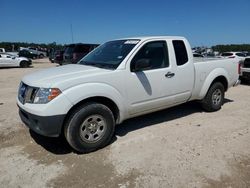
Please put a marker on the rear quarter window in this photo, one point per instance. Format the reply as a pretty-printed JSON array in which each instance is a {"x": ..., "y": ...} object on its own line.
[{"x": 180, "y": 52}]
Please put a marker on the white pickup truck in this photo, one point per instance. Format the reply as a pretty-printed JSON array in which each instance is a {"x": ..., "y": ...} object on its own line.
[
  {"x": 36, "y": 51},
  {"x": 119, "y": 80}
]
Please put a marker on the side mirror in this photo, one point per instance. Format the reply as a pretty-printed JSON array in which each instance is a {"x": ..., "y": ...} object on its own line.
[{"x": 142, "y": 64}]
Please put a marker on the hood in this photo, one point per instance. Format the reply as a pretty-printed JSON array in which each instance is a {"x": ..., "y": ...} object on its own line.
[
  {"x": 22, "y": 58},
  {"x": 52, "y": 77}
]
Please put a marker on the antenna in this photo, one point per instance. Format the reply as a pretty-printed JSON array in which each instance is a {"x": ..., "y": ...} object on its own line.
[{"x": 71, "y": 29}]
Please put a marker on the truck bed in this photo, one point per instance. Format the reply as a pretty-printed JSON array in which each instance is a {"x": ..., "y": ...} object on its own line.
[{"x": 203, "y": 68}]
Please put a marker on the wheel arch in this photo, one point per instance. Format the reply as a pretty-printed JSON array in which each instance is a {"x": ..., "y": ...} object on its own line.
[
  {"x": 215, "y": 76},
  {"x": 221, "y": 79},
  {"x": 96, "y": 99},
  {"x": 22, "y": 62}
]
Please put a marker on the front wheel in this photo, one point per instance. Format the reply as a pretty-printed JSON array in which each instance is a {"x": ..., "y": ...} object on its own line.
[
  {"x": 89, "y": 127},
  {"x": 214, "y": 98},
  {"x": 24, "y": 64}
]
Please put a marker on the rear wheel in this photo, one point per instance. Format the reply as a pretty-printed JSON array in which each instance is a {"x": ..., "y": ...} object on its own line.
[
  {"x": 41, "y": 56},
  {"x": 89, "y": 127},
  {"x": 214, "y": 98},
  {"x": 24, "y": 64}
]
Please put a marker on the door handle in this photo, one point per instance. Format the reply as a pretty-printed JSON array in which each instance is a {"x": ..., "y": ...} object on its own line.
[{"x": 169, "y": 74}]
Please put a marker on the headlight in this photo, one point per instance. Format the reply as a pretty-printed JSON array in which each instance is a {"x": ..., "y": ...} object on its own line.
[{"x": 44, "y": 95}]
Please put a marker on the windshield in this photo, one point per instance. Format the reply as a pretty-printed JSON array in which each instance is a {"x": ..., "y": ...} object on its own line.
[{"x": 110, "y": 54}]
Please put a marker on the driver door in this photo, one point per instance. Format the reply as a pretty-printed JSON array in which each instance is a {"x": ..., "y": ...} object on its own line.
[{"x": 146, "y": 87}]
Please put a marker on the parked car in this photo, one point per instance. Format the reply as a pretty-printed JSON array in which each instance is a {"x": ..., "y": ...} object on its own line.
[
  {"x": 2, "y": 50},
  {"x": 247, "y": 54},
  {"x": 27, "y": 53},
  {"x": 197, "y": 55},
  {"x": 245, "y": 70},
  {"x": 119, "y": 80},
  {"x": 239, "y": 55},
  {"x": 74, "y": 52},
  {"x": 36, "y": 51},
  {"x": 39, "y": 53},
  {"x": 59, "y": 56},
  {"x": 8, "y": 60}
]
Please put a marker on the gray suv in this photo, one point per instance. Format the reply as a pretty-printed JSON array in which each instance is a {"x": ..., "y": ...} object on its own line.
[{"x": 74, "y": 52}]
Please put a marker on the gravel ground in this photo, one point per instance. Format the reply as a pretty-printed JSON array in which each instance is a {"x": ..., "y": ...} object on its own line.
[{"x": 178, "y": 147}]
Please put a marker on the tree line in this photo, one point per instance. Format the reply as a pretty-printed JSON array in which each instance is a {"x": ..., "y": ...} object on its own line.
[
  {"x": 14, "y": 46},
  {"x": 231, "y": 47}
]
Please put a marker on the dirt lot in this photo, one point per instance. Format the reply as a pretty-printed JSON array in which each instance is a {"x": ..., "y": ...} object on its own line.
[{"x": 178, "y": 147}]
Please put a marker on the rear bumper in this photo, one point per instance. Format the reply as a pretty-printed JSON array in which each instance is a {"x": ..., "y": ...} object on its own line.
[
  {"x": 50, "y": 126},
  {"x": 246, "y": 74}
]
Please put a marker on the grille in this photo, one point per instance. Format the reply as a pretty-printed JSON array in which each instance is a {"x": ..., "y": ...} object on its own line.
[{"x": 26, "y": 94}]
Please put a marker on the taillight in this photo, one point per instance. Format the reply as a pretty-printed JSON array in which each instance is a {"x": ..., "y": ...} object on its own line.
[{"x": 239, "y": 68}]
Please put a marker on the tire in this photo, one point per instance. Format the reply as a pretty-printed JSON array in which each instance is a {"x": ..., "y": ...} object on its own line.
[
  {"x": 89, "y": 127},
  {"x": 214, "y": 98},
  {"x": 41, "y": 56},
  {"x": 24, "y": 64}
]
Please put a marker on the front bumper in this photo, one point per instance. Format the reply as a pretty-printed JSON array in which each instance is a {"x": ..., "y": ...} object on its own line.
[{"x": 50, "y": 126}]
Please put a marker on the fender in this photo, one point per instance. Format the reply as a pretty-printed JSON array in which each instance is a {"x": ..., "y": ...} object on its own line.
[
  {"x": 210, "y": 78},
  {"x": 84, "y": 91}
]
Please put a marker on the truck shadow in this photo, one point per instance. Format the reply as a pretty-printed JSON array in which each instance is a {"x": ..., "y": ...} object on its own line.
[
  {"x": 160, "y": 117},
  {"x": 59, "y": 146}
]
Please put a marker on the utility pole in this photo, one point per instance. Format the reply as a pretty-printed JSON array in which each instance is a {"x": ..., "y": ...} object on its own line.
[{"x": 71, "y": 29}]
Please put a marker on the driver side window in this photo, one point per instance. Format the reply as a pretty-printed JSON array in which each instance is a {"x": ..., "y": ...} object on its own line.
[{"x": 155, "y": 53}]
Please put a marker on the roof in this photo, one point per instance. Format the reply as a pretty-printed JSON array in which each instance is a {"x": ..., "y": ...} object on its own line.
[
  {"x": 152, "y": 37},
  {"x": 87, "y": 44}
]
